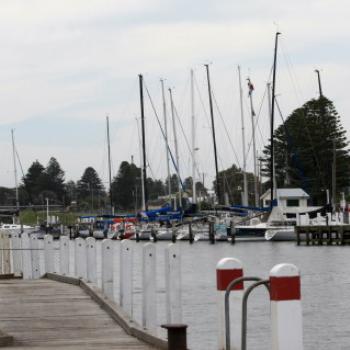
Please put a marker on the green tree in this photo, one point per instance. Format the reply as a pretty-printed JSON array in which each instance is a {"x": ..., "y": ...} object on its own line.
[
  {"x": 200, "y": 189},
  {"x": 125, "y": 186},
  {"x": 89, "y": 181},
  {"x": 52, "y": 181},
  {"x": 173, "y": 183},
  {"x": 304, "y": 147},
  {"x": 231, "y": 181},
  {"x": 90, "y": 189},
  {"x": 33, "y": 181},
  {"x": 155, "y": 188}
]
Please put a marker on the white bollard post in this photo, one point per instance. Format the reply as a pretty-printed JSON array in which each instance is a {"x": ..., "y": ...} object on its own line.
[
  {"x": 6, "y": 256},
  {"x": 16, "y": 254},
  {"x": 64, "y": 255},
  {"x": 173, "y": 283},
  {"x": 149, "y": 286},
  {"x": 49, "y": 254},
  {"x": 107, "y": 268},
  {"x": 34, "y": 246},
  {"x": 26, "y": 257},
  {"x": 80, "y": 258},
  {"x": 286, "y": 310},
  {"x": 126, "y": 276},
  {"x": 227, "y": 270},
  {"x": 91, "y": 259}
]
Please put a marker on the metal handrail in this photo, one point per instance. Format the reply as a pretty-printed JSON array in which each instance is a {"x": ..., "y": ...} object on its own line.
[
  {"x": 227, "y": 305},
  {"x": 244, "y": 309}
]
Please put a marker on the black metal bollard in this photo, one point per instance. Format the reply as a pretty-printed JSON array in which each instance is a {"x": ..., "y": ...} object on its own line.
[
  {"x": 173, "y": 236},
  {"x": 233, "y": 233},
  {"x": 211, "y": 233},
  {"x": 190, "y": 235},
  {"x": 177, "y": 337}
]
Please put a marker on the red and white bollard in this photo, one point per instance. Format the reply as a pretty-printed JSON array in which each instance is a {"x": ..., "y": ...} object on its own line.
[
  {"x": 227, "y": 270},
  {"x": 286, "y": 310}
]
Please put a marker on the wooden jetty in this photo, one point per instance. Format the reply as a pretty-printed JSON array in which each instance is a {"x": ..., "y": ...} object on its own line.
[
  {"x": 323, "y": 234},
  {"x": 48, "y": 314}
]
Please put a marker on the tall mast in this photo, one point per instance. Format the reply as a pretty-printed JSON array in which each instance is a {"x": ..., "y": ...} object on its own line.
[
  {"x": 269, "y": 105},
  {"x": 145, "y": 204},
  {"x": 141, "y": 162},
  {"x": 109, "y": 166},
  {"x": 194, "y": 194},
  {"x": 245, "y": 182},
  {"x": 334, "y": 178},
  {"x": 319, "y": 82},
  {"x": 176, "y": 146},
  {"x": 15, "y": 168},
  {"x": 166, "y": 140},
  {"x": 218, "y": 192},
  {"x": 272, "y": 172},
  {"x": 252, "y": 112}
]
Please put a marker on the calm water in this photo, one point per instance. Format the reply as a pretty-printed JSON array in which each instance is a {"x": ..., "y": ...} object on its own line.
[{"x": 325, "y": 290}]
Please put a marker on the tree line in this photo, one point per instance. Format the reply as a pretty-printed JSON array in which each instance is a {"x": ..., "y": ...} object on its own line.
[{"x": 89, "y": 193}]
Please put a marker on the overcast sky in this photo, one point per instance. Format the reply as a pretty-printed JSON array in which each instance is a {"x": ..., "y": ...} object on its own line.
[{"x": 65, "y": 65}]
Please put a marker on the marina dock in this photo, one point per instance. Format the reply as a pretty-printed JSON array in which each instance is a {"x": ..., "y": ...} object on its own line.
[
  {"x": 323, "y": 234},
  {"x": 47, "y": 314}
]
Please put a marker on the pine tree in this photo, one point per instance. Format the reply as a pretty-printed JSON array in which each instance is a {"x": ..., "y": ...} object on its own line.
[
  {"x": 125, "y": 186},
  {"x": 304, "y": 147},
  {"x": 32, "y": 181},
  {"x": 52, "y": 181}
]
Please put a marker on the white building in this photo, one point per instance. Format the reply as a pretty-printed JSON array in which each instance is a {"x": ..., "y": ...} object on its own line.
[{"x": 287, "y": 198}]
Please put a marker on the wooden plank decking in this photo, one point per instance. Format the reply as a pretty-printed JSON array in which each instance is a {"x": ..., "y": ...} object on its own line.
[{"x": 45, "y": 314}]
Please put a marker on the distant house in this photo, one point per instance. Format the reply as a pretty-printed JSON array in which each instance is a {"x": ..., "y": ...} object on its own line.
[{"x": 287, "y": 198}]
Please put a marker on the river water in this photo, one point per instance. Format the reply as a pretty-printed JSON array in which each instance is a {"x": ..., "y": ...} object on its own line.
[
  {"x": 325, "y": 283},
  {"x": 325, "y": 288}
]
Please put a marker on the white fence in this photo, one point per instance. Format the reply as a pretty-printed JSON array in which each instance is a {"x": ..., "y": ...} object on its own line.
[{"x": 114, "y": 273}]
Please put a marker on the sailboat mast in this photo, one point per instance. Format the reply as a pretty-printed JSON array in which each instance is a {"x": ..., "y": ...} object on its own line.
[
  {"x": 319, "y": 82},
  {"x": 245, "y": 182},
  {"x": 15, "y": 168},
  {"x": 218, "y": 192},
  {"x": 272, "y": 172},
  {"x": 142, "y": 183},
  {"x": 194, "y": 194},
  {"x": 274, "y": 167},
  {"x": 252, "y": 112},
  {"x": 166, "y": 140},
  {"x": 176, "y": 145},
  {"x": 144, "y": 165},
  {"x": 109, "y": 166}
]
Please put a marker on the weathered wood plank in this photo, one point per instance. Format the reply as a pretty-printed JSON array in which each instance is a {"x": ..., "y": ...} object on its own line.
[{"x": 45, "y": 314}]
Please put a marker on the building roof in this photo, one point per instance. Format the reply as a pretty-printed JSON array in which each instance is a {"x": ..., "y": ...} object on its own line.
[{"x": 288, "y": 193}]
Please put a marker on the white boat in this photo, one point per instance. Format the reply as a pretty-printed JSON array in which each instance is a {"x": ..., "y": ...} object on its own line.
[
  {"x": 14, "y": 227},
  {"x": 283, "y": 233},
  {"x": 291, "y": 203}
]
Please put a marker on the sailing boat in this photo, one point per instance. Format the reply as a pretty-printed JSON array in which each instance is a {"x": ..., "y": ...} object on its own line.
[{"x": 15, "y": 227}]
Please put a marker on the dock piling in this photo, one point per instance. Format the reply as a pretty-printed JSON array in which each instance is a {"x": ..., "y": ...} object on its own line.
[{"x": 177, "y": 336}]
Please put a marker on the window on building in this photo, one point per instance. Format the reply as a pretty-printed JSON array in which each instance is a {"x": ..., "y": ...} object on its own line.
[{"x": 292, "y": 202}]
